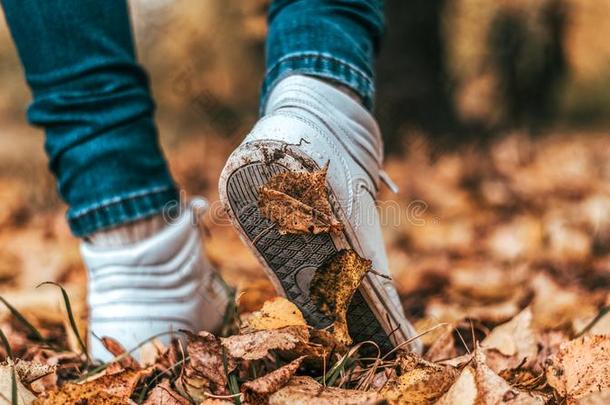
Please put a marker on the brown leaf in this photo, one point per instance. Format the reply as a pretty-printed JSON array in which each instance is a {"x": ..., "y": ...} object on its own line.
[
  {"x": 549, "y": 343},
  {"x": 443, "y": 347},
  {"x": 205, "y": 369},
  {"x": 478, "y": 384},
  {"x": 107, "y": 389},
  {"x": 508, "y": 345},
  {"x": 306, "y": 391},
  {"x": 600, "y": 327},
  {"x": 439, "y": 310},
  {"x": 29, "y": 371},
  {"x": 513, "y": 337},
  {"x": 523, "y": 379},
  {"x": 459, "y": 361},
  {"x": 595, "y": 398},
  {"x": 258, "y": 391},
  {"x": 567, "y": 244},
  {"x": 297, "y": 202},
  {"x": 77, "y": 394},
  {"x": 276, "y": 313},
  {"x": 256, "y": 345},
  {"x": 485, "y": 281},
  {"x": 555, "y": 305},
  {"x": 580, "y": 367},
  {"x": 6, "y": 389},
  {"x": 419, "y": 382},
  {"x": 152, "y": 351},
  {"x": 521, "y": 238},
  {"x": 114, "y": 347},
  {"x": 163, "y": 394},
  {"x": 216, "y": 401},
  {"x": 67, "y": 366},
  {"x": 333, "y": 286}
]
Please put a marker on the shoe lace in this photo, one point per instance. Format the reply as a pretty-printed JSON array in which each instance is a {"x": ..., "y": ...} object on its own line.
[{"x": 387, "y": 180}]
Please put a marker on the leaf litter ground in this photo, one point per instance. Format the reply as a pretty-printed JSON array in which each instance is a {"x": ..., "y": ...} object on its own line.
[{"x": 501, "y": 255}]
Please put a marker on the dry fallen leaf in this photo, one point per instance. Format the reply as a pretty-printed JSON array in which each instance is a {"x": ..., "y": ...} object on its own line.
[
  {"x": 486, "y": 281},
  {"x": 9, "y": 264},
  {"x": 566, "y": 244},
  {"x": 437, "y": 236},
  {"x": 258, "y": 391},
  {"x": 107, "y": 389},
  {"x": 439, "y": 310},
  {"x": 297, "y": 202},
  {"x": 420, "y": 382},
  {"x": 163, "y": 394},
  {"x": 555, "y": 305},
  {"x": 64, "y": 364},
  {"x": 216, "y": 401},
  {"x": 306, "y": 391},
  {"x": 595, "y": 398},
  {"x": 478, "y": 384},
  {"x": 6, "y": 386},
  {"x": 443, "y": 347},
  {"x": 600, "y": 324},
  {"x": 521, "y": 238},
  {"x": 333, "y": 286},
  {"x": 29, "y": 371},
  {"x": 510, "y": 344},
  {"x": 276, "y": 313},
  {"x": 205, "y": 370},
  {"x": 114, "y": 347},
  {"x": 256, "y": 345},
  {"x": 580, "y": 367}
]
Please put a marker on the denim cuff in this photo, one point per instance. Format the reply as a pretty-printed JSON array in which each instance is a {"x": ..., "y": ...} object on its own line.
[
  {"x": 121, "y": 210},
  {"x": 319, "y": 65}
]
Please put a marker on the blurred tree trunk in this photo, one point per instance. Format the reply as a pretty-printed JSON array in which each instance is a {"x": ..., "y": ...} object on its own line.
[{"x": 414, "y": 91}]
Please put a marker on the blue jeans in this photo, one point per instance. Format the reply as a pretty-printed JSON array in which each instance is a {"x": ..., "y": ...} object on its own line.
[{"x": 93, "y": 99}]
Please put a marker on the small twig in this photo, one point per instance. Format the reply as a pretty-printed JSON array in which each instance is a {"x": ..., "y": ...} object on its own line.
[
  {"x": 375, "y": 272},
  {"x": 408, "y": 341},
  {"x": 463, "y": 341},
  {"x": 602, "y": 312},
  {"x": 230, "y": 396}
]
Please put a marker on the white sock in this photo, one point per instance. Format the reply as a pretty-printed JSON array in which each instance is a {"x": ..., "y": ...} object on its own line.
[{"x": 129, "y": 233}]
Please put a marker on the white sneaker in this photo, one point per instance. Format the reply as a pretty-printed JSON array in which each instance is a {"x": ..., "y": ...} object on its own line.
[
  {"x": 308, "y": 124},
  {"x": 160, "y": 284}
]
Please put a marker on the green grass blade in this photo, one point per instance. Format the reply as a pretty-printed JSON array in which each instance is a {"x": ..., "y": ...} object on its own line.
[
  {"x": 7, "y": 346},
  {"x": 9, "y": 354},
  {"x": 234, "y": 388},
  {"x": 70, "y": 317},
  {"x": 232, "y": 383},
  {"x": 24, "y": 322},
  {"x": 231, "y": 316}
]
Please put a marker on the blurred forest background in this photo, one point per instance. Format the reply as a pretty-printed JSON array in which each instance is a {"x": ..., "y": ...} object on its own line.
[
  {"x": 496, "y": 114},
  {"x": 451, "y": 69}
]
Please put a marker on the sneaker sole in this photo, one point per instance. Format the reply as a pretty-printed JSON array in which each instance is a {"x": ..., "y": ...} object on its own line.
[{"x": 290, "y": 260}]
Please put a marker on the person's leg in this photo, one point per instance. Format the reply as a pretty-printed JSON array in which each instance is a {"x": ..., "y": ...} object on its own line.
[
  {"x": 315, "y": 106},
  {"x": 93, "y": 100},
  {"x": 336, "y": 40}
]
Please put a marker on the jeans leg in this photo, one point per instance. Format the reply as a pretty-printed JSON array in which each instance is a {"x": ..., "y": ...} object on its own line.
[
  {"x": 332, "y": 39},
  {"x": 93, "y": 100}
]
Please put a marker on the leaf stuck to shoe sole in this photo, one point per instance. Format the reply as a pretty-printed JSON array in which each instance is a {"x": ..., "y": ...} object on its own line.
[
  {"x": 333, "y": 286},
  {"x": 297, "y": 202}
]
